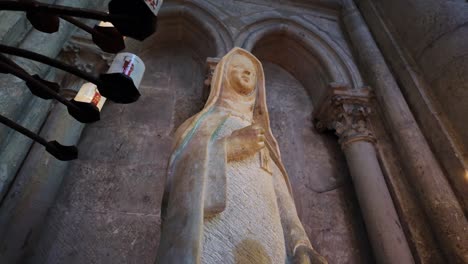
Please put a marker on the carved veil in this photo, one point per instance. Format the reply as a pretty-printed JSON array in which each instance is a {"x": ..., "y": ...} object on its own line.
[{"x": 261, "y": 115}]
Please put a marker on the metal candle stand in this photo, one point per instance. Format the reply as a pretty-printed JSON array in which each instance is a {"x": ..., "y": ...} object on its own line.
[{"x": 136, "y": 19}]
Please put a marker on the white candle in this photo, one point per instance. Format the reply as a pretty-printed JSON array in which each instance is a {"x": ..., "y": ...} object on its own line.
[
  {"x": 89, "y": 94},
  {"x": 106, "y": 24},
  {"x": 154, "y": 5},
  {"x": 130, "y": 65}
]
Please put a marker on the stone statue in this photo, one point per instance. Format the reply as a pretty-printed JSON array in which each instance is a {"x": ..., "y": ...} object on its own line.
[{"x": 228, "y": 197}]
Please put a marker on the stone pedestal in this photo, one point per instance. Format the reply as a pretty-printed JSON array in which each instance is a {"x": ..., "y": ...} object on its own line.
[{"x": 346, "y": 111}]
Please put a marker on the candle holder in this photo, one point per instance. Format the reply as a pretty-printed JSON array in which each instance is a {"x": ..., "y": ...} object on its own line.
[
  {"x": 121, "y": 82},
  {"x": 90, "y": 101},
  {"x": 136, "y": 19},
  {"x": 59, "y": 151}
]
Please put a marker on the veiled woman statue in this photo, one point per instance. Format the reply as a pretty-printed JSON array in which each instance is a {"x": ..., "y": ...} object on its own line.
[{"x": 228, "y": 197}]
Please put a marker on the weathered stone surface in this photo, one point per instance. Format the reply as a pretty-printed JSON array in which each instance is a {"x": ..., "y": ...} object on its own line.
[
  {"x": 324, "y": 199},
  {"x": 417, "y": 229},
  {"x": 136, "y": 116},
  {"x": 105, "y": 172},
  {"x": 427, "y": 177},
  {"x": 135, "y": 139},
  {"x": 346, "y": 111},
  {"x": 425, "y": 42},
  {"x": 238, "y": 197},
  {"x": 102, "y": 187},
  {"x": 120, "y": 174},
  {"x": 16, "y": 145},
  {"x": 25, "y": 207},
  {"x": 121, "y": 145},
  {"x": 83, "y": 236},
  {"x": 16, "y": 101},
  {"x": 290, "y": 107},
  {"x": 17, "y": 95}
]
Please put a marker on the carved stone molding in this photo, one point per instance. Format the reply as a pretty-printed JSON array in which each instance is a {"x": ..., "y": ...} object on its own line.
[
  {"x": 81, "y": 52},
  {"x": 210, "y": 67},
  {"x": 346, "y": 111}
]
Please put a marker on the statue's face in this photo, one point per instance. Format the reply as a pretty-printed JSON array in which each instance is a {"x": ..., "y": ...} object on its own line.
[{"x": 242, "y": 75}]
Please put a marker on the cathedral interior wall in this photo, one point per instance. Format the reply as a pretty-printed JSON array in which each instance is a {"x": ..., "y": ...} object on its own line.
[
  {"x": 173, "y": 88},
  {"x": 107, "y": 207},
  {"x": 426, "y": 48}
]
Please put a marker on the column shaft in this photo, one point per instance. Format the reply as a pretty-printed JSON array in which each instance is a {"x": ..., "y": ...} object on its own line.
[
  {"x": 381, "y": 219},
  {"x": 432, "y": 188}
]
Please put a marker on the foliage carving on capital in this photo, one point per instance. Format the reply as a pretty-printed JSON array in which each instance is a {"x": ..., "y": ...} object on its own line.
[
  {"x": 346, "y": 111},
  {"x": 81, "y": 52},
  {"x": 210, "y": 67},
  {"x": 211, "y": 64}
]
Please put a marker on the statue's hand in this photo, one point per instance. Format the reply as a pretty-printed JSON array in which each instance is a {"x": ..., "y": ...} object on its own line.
[
  {"x": 307, "y": 255},
  {"x": 245, "y": 142}
]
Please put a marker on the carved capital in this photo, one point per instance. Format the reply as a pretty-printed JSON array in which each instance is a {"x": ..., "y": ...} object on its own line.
[
  {"x": 345, "y": 111},
  {"x": 210, "y": 67},
  {"x": 211, "y": 64},
  {"x": 81, "y": 52}
]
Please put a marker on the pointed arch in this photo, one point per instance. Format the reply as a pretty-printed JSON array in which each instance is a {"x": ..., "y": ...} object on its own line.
[
  {"x": 196, "y": 24},
  {"x": 305, "y": 51}
]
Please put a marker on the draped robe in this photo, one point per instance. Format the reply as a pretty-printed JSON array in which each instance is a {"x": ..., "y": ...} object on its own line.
[{"x": 198, "y": 202}]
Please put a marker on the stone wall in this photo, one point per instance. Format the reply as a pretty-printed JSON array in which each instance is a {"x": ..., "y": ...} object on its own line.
[
  {"x": 108, "y": 206},
  {"x": 434, "y": 33},
  {"x": 29, "y": 176},
  {"x": 425, "y": 43},
  {"x": 109, "y": 203}
]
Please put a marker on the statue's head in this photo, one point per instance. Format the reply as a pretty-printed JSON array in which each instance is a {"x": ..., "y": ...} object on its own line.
[
  {"x": 239, "y": 83},
  {"x": 242, "y": 74}
]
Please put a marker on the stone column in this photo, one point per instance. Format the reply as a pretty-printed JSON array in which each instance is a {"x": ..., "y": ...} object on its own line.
[
  {"x": 346, "y": 112},
  {"x": 443, "y": 210}
]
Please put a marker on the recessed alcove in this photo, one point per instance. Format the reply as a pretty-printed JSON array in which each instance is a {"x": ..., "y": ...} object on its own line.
[
  {"x": 323, "y": 190},
  {"x": 294, "y": 58},
  {"x": 105, "y": 206},
  {"x": 175, "y": 57},
  {"x": 121, "y": 171}
]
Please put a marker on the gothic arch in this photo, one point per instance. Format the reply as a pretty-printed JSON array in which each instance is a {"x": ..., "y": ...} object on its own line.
[
  {"x": 200, "y": 22},
  {"x": 313, "y": 60},
  {"x": 306, "y": 52}
]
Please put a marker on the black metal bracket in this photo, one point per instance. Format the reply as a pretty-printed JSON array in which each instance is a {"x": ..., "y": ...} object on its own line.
[
  {"x": 116, "y": 87},
  {"x": 131, "y": 18},
  {"x": 59, "y": 151},
  {"x": 134, "y": 19}
]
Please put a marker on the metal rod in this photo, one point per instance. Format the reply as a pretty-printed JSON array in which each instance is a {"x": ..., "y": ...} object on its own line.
[
  {"x": 34, "y": 6},
  {"x": 22, "y": 74},
  {"x": 10, "y": 62},
  {"x": 9, "y": 123},
  {"x": 59, "y": 151},
  {"x": 51, "y": 62}
]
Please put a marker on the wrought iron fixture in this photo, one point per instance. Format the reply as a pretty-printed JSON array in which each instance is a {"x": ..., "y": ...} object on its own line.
[{"x": 136, "y": 19}]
